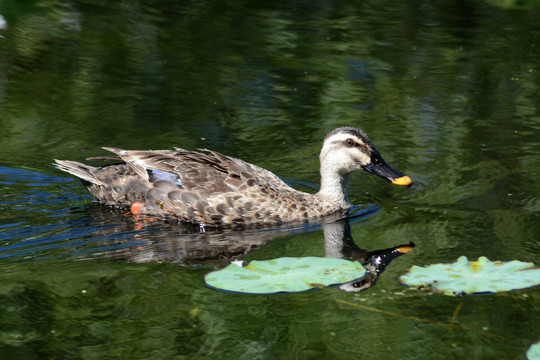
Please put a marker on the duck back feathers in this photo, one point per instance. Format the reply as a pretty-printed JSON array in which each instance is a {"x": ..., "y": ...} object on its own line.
[{"x": 209, "y": 188}]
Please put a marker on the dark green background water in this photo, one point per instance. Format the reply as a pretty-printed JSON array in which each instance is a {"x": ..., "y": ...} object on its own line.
[{"x": 447, "y": 90}]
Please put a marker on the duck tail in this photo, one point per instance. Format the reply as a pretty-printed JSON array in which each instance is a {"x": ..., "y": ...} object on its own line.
[{"x": 84, "y": 172}]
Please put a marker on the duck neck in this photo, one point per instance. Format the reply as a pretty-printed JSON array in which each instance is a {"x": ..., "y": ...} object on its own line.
[{"x": 334, "y": 187}]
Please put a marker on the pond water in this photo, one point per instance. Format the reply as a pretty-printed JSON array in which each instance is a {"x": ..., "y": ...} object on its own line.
[{"x": 447, "y": 91}]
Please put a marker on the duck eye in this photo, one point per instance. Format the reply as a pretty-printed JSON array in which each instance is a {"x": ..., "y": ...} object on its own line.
[{"x": 350, "y": 142}]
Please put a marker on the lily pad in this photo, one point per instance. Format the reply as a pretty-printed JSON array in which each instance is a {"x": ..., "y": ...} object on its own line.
[
  {"x": 473, "y": 277},
  {"x": 534, "y": 352},
  {"x": 285, "y": 275}
]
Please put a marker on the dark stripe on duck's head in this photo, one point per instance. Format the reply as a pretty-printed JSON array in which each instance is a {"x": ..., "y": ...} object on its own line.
[{"x": 353, "y": 132}]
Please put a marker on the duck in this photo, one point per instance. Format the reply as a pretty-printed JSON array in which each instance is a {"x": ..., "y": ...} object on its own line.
[{"x": 208, "y": 188}]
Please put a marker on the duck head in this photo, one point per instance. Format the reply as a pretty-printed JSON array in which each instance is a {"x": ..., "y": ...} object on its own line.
[{"x": 347, "y": 149}]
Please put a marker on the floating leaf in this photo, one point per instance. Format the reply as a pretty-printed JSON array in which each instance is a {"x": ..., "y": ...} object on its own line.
[
  {"x": 286, "y": 274},
  {"x": 473, "y": 277},
  {"x": 534, "y": 352}
]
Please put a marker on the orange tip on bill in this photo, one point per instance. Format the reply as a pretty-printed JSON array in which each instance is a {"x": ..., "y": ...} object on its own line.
[{"x": 404, "y": 180}]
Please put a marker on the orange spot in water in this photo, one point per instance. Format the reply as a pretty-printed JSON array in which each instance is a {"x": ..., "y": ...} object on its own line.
[
  {"x": 136, "y": 208},
  {"x": 405, "y": 249}
]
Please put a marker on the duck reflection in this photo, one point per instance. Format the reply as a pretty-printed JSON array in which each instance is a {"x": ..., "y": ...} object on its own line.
[
  {"x": 338, "y": 243},
  {"x": 190, "y": 245}
]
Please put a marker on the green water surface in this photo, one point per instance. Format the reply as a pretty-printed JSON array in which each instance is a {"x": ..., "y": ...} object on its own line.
[{"x": 447, "y": 91}]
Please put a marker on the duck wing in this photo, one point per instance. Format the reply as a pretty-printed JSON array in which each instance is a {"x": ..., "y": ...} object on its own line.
[
  {"x": 204, "y": 187},
  {"x": 207, "y": 173}
]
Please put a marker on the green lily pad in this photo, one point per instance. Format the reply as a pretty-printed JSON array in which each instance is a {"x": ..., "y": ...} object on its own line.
[
  {"x": 284, "y": 275},
  {"x": 534, "y": 352},
  {"x": 473, "y": 277}
]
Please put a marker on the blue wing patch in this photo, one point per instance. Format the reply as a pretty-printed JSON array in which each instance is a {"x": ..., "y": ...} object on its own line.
[{"x": 163, "y": 175}]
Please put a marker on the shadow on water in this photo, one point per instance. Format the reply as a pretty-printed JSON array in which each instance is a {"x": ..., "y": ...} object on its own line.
[{"x": 98, "y": 231}]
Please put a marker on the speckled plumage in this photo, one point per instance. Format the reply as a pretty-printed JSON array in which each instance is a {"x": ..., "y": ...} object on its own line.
[{"x": 217, "y": 190}]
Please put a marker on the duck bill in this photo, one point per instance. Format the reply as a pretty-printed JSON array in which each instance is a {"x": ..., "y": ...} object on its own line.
[{"x": 380, "y": 168}]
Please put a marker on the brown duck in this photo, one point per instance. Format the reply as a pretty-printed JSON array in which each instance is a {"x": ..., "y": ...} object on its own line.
[{"x": 213, "y": 189}]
